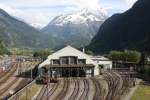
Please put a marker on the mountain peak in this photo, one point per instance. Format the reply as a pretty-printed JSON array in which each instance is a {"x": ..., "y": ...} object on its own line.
[
  {"x": 94, "y": 11},
  {"x": 77, "y": 28},
  {"x": 79, "y": 17}
]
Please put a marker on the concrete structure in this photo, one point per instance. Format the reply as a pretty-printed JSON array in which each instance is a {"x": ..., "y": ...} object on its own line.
[
  {"x": 102, "y": 62},
  {"x": 70, "y": 62}
]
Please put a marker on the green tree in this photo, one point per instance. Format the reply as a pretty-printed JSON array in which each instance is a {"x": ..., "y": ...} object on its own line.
[
  {"x": 132, "y": 56},
  {"x": 42, "y": 54},
  {"x": 128, "y": 55},
  {"x": 3, "y": 49},
  {"x": 116, "y": 55}
]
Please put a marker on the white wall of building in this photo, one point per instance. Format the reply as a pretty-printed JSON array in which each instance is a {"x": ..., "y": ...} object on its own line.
[
  {"x": 70, "y": 51},
  {"x": 102, "y": 61},
  {"x": 97, "y": 61}
]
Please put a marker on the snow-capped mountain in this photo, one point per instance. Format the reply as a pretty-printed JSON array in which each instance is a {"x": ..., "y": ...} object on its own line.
[
  {"x": 76, "y": 28},
  {"x": 81, "y": 17}
]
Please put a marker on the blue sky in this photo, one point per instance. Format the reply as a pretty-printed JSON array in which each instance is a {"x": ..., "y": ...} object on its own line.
[{"x": 42, "y": 11}]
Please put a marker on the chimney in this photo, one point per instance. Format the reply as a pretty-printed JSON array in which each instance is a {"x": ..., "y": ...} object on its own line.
[{"x": 83, "y": 50}]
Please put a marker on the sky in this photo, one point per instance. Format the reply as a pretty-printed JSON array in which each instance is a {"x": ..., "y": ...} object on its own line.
[{"x": 41, "y": 12}]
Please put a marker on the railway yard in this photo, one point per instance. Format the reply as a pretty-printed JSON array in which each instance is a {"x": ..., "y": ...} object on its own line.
[
  {"x": 109, "y": 87},
  {"x": 16, "y": 85},
  {"x": 12, "y": 80}
]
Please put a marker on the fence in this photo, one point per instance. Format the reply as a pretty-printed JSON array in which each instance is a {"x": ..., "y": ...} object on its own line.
[{"x": 16, "y": 95}]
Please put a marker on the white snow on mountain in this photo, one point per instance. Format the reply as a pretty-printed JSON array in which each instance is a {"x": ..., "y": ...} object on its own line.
[
  {"x": 80, "y": 17},
  {"x": 37, "y": 25}
]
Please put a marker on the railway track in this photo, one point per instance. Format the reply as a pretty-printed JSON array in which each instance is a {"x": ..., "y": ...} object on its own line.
[
  {"x": 115, "y": 85},
  {"x": 125, "y": 86},
  {"x": 53, "y": 90},
  {"x": 84, "y": 95},
  {"x": 45, "y": 93},
  {"x": 112, "y": 82},
  {"x": 118, "y": 84},
  {"x": 97, "y": 95},
  {"x": 3, "y": 74},
  {"x": 112, "y": 79},
  {"x": 63, "y": 93},
  {"x": 6, "y": 88},
  {"x": 8, "y": 74},
  {"x": 81, "y": 87},
  {"x": 42, "y": 92},
  {"x": 75, "y": 91},
  {"x": 8, "y": 81}
]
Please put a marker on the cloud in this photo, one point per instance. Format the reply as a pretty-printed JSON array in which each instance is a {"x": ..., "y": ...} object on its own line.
[
  {"x": 52, "y": 3},
  {"x": 37, "y": 11},
  {"x": 42, "y": 11}
]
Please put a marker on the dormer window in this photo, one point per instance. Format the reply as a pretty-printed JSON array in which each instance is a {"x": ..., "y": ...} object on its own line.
[
  {"x": 64, "y": 60},
  {"x": 73, "y": 60},
  {"x": 55, "y": 61}
]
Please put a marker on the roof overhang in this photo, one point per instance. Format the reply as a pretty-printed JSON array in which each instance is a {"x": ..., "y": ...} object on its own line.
[{"x": 71, "y": 66}]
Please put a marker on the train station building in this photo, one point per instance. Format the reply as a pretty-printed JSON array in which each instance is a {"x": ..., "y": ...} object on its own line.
[{"x": 69, "y": 62}]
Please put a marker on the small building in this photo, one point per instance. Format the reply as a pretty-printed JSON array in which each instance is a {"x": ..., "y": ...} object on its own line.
[
  {"x": 102, "y": 62},
  {"x": 69, "y": 62}
]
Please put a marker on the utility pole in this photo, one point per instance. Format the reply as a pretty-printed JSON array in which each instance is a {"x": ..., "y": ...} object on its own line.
[
  {"x": 47, "y": 84},
  {"x": 26, "y": 93},
  {"x": 31, "y": 75}
]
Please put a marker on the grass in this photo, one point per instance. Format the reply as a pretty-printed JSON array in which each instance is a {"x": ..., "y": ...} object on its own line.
[{"x": 142, "y": 93}]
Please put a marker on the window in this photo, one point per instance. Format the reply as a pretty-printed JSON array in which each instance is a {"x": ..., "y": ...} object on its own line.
[
  {"x": 81, "y": 61},
  {"x": 73, "y": 60},
  {"x": 64, "y": 60},
  {"x": 56, "y": 61}
]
